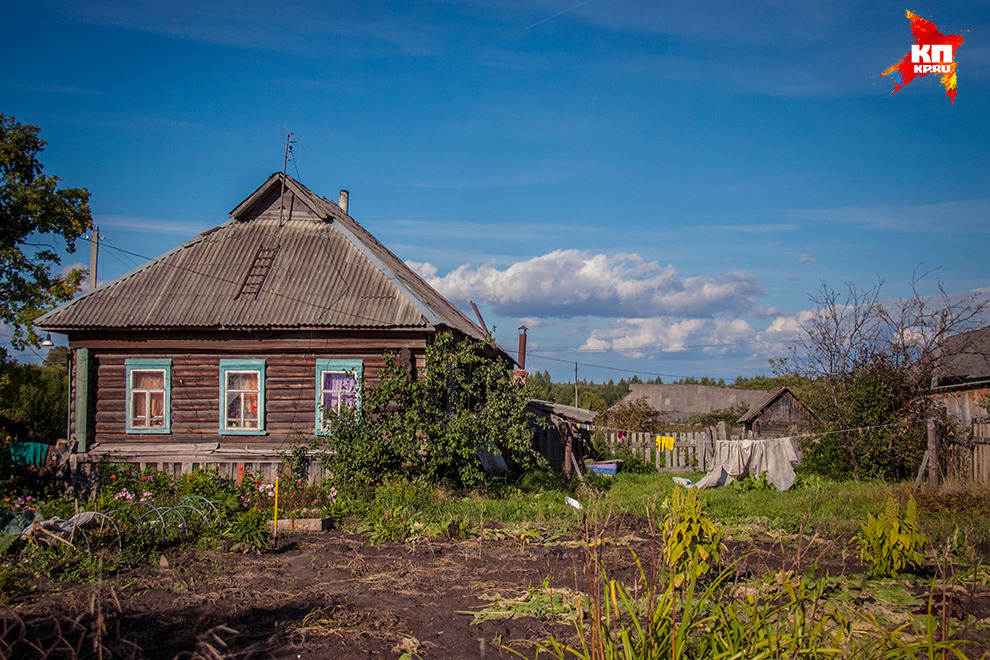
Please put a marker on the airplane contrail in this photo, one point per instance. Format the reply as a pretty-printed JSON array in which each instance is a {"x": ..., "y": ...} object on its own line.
[{"x": 563, "y": 11}]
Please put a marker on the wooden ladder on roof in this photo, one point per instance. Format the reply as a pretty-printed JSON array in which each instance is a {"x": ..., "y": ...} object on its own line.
[{"x": 258, "y": 271}]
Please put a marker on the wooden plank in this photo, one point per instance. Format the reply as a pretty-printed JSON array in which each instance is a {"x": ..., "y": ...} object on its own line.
[{"x": 143, "y": 447}]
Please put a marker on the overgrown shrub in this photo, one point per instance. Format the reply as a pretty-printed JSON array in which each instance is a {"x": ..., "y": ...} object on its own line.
[
  {"x": 433, "y": 428},
  {"x": 891, "y": 544}
]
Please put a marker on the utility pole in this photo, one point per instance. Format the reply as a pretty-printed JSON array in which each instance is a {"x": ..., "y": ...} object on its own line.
[
  {"x": 93, "y": 256},
  {"x": 576, "y": 403}
]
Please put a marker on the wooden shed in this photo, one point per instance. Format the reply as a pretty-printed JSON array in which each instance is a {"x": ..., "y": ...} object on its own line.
[
  {"x": 961, "y": 385},
  {"x": 225, "y": 349},
  {"x": 779, "y": 414},
  {"x": 563, "y": 436},
  {"x": 961, "y": 381}
]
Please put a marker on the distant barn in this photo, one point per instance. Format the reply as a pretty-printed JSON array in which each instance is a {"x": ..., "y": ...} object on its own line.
[
  {"x": 961, "y": 381},
  {"x": 778, "y": 415}
]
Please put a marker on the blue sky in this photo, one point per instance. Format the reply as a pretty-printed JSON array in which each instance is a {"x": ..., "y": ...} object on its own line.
[{"x": 650, "y": 187}]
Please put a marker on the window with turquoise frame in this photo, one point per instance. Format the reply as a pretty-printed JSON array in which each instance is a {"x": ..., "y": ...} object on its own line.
[
  {"x": 149, "y": 395},
  {"x": 338, "y": 385},
  {"x": 242, "y": 397}
]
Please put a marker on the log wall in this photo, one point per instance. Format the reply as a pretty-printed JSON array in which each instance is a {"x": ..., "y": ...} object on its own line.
[{"x": 290, "y": 385}]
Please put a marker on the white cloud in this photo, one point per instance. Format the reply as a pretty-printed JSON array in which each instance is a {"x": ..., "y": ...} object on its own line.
[
  {"x": 568, "y": 283},
  {"x": 806, "y": 258},
  {"x": 713, "y": 338},
  {"x": 643, "y": 337}
]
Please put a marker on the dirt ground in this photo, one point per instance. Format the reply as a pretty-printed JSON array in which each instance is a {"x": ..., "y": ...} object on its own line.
[{"x": 335, "y": 595}]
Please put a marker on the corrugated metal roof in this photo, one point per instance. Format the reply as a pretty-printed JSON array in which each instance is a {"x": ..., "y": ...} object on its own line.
[
  {"x": 582, "y": 415},
  {"x": 328, "y": 272},
  {"x": 679, "y": 402}
]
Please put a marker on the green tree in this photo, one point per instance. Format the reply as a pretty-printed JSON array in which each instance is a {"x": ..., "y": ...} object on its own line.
[
  {"x": 539, "y": 386},
  {"x": 34, "y": 214},
  {"x": 34, "y": 396},
  {"x": 636, "y": 415}
]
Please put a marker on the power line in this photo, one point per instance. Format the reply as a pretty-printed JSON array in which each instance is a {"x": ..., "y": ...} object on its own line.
[{"x": 600, "y": 366}]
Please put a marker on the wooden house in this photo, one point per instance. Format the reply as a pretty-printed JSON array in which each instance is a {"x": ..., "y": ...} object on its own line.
[
  {"x": 779, "y": 414},
  {"x": 225, "y": 349}
]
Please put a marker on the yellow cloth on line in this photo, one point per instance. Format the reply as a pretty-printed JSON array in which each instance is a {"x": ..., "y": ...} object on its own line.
[{"x": 665, "y": 442}]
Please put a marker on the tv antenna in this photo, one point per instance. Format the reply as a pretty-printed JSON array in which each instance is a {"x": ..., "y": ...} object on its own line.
[{"x": 285, "y": 164}]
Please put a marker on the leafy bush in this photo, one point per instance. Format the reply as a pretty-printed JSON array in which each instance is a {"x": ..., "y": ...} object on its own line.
[
  {"x": 693, "y": 543},
  {"x": 749, "y": 482},
  {"x": 249, "y": 531},
  {"x": 432, "y": 428},
  {"x": 890, "y": 543}
]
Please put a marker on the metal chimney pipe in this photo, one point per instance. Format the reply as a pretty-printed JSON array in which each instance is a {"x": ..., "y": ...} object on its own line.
[
  {"x": 343, "y": 201},
  {"x": 521, "y": 358}
]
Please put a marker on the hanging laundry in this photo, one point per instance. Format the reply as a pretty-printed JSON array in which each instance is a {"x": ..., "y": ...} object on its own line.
[{"x": 665, "y": 442}]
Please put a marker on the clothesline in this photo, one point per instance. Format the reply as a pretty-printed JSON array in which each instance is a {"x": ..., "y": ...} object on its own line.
[{"x": 816, "y": 434}]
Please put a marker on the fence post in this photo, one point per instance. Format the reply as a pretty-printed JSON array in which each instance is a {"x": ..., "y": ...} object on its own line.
[{"x": 932, "y": 453}]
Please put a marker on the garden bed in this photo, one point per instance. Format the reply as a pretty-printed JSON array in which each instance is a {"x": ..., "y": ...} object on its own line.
[{"x": 336, "y": 595}]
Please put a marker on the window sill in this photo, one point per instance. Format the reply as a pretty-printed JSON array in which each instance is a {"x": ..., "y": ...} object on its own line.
[{"x": 243, "y": 432}]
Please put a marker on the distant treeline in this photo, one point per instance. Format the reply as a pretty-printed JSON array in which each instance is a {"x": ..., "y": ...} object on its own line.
[{"x": 599, "y": 396}]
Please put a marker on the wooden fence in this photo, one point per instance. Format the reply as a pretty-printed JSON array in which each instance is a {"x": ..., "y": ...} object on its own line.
[
  {"x": 692, "y": 452},
  {"x": 968, "y": 459},
  {"x": 176, "y": 459}
]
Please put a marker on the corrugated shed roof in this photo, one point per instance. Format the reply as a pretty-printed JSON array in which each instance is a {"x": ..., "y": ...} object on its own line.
[
  {"x": 582, "y": 415},
  {"x": 327, "y": 272},
  {"x": 964, "y": 358}
]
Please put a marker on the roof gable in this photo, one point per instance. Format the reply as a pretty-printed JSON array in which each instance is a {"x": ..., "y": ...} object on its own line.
[
  {"x": 772, "y": 397},
  {"x": 283, "y": 260}
]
